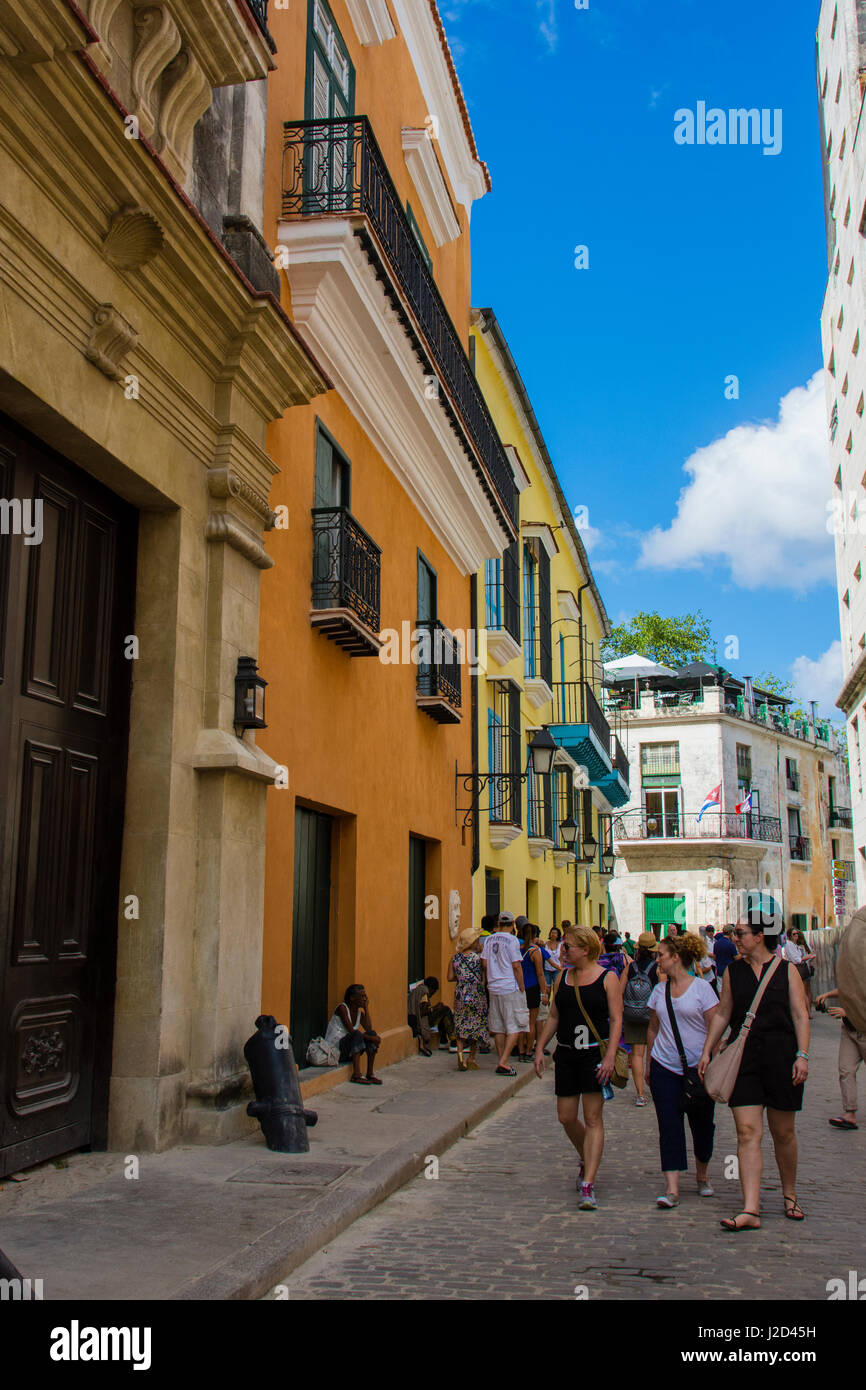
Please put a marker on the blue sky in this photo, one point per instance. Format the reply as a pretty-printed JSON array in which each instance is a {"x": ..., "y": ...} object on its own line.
[{"x": 705, "y": 261}]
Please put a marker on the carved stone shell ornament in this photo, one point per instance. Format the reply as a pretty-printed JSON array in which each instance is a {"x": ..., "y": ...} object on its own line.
[
  {"x": 454, "y": 913},
  {"x": 133, "y": 239}
]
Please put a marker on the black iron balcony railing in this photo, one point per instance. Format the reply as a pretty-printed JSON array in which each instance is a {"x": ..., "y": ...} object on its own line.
[
  {"x": 346, "y": 565},
  {"x": 800, "y": 848},
  {"x": 841, "y": 818},
  {"x": 335, "y": 168},
  {"x": 713, "y": 825},
  {"x": 618, "y": 758},
  {"x": 439, "y": 664},
  {"x": 575, "y": 703},
  {"x": 259, "y": 10},
  {"x": 506, "y": 797}
]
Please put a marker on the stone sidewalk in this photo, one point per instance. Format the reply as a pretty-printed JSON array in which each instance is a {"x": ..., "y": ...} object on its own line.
[
  {"x": 227, "y": 1222},
  {"x": 501, "y": 1221}
]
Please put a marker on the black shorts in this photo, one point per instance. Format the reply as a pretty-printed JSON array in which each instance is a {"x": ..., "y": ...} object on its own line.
[
  {"x": 574, "y": 1071},
  {"x": 533, "y": 996},
  {"x": 765, "y": 1078}
]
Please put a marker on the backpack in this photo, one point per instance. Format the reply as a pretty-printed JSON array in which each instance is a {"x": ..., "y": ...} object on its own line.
[{"x": 639, "y": 987}]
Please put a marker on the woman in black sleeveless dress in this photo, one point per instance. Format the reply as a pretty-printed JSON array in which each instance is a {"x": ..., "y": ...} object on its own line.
[
  {"x": 581, "y": 1065},
  {"x": 774, "y": 1067}
]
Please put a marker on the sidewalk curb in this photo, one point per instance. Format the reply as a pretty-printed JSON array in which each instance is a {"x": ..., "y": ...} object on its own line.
[{"x": 251, "y": 1273}]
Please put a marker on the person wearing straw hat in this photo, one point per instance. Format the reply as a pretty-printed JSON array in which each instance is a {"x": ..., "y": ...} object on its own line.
[{"x": 470, "y": 1000}]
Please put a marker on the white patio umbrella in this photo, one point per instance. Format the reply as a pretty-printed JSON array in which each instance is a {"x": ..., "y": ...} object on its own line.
[{"x": 635, "y": 667}]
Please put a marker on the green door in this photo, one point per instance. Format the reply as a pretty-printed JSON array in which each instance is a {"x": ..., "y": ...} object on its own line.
[
  {"x": 311, "y": 924},
  {"x": 417, "y": 921},
  {"x": 661, "y": 911}
]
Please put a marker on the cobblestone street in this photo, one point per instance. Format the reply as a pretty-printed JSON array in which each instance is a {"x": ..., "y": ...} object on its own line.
[{"x": 502, "y": 1221}]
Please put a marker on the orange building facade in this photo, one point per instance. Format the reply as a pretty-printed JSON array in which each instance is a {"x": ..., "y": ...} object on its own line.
[{"x": 393, "y": 490}]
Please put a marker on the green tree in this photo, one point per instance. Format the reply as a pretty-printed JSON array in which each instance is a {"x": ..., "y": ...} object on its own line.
[{"x": 670, "y": 641}]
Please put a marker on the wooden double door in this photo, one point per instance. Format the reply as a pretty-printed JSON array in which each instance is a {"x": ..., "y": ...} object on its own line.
[{"x": 66, "y": 608}]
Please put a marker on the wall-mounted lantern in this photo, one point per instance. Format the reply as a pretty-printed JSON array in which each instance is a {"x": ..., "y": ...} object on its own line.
[{"x": 249, "y": 696}]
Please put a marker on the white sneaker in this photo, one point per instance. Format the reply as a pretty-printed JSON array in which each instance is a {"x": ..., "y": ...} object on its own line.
[
  {"x": 705, "y": 1190},
  {"x": 667, "y": 1201}
]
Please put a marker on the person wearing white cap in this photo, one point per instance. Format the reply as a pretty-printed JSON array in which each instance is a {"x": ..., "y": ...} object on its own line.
[{"x": 503, "y": 973}]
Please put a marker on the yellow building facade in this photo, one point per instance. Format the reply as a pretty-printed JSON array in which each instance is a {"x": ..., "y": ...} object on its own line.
[{"x": 541, "y": 622}]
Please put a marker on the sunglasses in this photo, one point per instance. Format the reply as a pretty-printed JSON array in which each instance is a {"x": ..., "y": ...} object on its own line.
[{"x": 738, "y": 934}]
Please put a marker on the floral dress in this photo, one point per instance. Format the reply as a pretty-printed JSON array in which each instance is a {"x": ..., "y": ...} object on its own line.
[{"x": 470, "y": 1000}]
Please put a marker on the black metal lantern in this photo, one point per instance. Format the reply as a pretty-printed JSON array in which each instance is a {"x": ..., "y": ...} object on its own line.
[
  {"x": 249, "y": 695},
  {"x": 568, "y": 831},
  {"x": 542, "y": 750},
  {"x": 590, "y": 845},
  {"x": 607, "y": 859}
]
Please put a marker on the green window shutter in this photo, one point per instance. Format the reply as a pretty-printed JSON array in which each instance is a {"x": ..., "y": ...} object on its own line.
[
  {"x": 416, "y": 232},
  {"x": 664, "y": 910}
]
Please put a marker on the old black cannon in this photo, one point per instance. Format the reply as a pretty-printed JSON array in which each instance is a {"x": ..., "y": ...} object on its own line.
[{"x": 277, "y": 1106}]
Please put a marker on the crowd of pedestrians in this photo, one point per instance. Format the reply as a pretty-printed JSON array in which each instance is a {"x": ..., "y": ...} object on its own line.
[
  {"x": 667, "y": 1006},
  {"x": 661, "y": 1012}
]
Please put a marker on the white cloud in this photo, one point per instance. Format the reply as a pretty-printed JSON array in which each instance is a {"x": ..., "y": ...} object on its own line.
[
  {"x": 756, "y": 500},
  {"x": 819, "y": 680},
  {"x": 548, "y": 27}
]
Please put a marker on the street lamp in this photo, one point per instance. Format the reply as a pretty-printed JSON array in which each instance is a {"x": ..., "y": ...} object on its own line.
[
  {"x": 568, "y": 830},
  {"x": 590, "y": 846},
  {"x": 541, "y": 752},
  {"x": 249, "y": 695}
]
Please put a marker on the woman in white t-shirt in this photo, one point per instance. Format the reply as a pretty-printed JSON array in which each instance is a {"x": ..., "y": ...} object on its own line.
[{"x": 693, "y": 1003}]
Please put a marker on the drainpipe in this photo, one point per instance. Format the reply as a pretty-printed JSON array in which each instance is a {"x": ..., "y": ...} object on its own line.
[
  {"x": 473, "y": 703},
  {"x": 580, "y": 642}
]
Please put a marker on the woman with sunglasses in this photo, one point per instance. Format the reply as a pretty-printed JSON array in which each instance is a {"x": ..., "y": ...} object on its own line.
[{"x": 774, "y": 1066}]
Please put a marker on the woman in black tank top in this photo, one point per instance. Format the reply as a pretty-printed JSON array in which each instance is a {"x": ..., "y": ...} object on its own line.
[
  {"x": 774, "y": 1066},
  {"x": 582, "y": 1064}
]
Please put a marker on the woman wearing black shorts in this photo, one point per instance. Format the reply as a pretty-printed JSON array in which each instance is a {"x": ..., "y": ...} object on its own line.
[
  {"x": 580, "y": 1067},
  {"x": 774, "y": 1067}
]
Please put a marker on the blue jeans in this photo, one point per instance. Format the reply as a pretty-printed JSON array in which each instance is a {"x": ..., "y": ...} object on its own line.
[{"x": 666, "y": 1087}]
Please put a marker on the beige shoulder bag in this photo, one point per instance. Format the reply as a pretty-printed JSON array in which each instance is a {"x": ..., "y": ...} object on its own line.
[{"x": 721, "y": 1075}]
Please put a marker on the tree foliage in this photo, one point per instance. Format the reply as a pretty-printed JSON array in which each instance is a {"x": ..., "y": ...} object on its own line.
[{"x": 670, "y": 641}]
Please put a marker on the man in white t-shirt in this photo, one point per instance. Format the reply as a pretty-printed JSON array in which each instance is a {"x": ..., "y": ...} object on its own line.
[{"x": 503, "y": 975}]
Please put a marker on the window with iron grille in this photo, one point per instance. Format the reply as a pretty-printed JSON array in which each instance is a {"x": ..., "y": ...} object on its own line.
[
  {"x": 660, "y": 760},
  {"x": 537, "y": 644},
  {"x": 502, "y": 592},
  {"x": 504, "y": 754},
  {"x": 539, "y": 808},
  {"x": 744, "y": 765}
]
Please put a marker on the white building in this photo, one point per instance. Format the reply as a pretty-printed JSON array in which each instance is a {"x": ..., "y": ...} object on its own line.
[
  {"x": 841, "y": 75},
  {"x": 685, "y": 745}
]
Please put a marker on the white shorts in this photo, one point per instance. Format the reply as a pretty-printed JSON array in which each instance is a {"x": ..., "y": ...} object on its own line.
[{"x": 508, "y": 1013}]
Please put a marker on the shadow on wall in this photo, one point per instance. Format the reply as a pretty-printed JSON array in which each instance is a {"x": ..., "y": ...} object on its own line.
[{"x": 825, "y": 944}]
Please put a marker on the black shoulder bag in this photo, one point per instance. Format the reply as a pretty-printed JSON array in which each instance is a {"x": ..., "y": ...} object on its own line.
[{"x": 693, "y": 1096}]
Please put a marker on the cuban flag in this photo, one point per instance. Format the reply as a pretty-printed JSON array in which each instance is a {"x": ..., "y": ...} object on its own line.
[
  {"x": 713, "y": 801},
  {"x": 744, "y": 808}
]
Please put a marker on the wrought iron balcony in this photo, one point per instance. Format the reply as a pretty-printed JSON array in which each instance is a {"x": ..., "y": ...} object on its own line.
[
  {"x": 841, "y": 818},
  {"x": 713, "y": 825},
  {"x": 346, "y": 581},
  {"x": 335, "y": 168},
  {"x": 619, "y": 759},
  {"x": 801, "y": 849},
  {"x": 259, "y": 11},
  {"x": 440, "y": 655}
]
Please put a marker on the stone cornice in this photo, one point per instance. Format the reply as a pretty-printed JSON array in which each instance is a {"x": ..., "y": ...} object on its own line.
[
  {"x": 37, "y": 33},
  {"x": 372, "y": 22},
  {"x": 853, "y": 682},
  {"x": 430, "y": 182},
  {"x": 223, "y": 526},
  {"x": 73, "y": 149},
  {"x": 342, "y": 311}
]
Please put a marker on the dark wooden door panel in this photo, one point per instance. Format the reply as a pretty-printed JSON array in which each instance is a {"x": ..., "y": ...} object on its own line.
[
  {"x": 311, "y": 925},
  {"x": 64, "y": 713}
]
